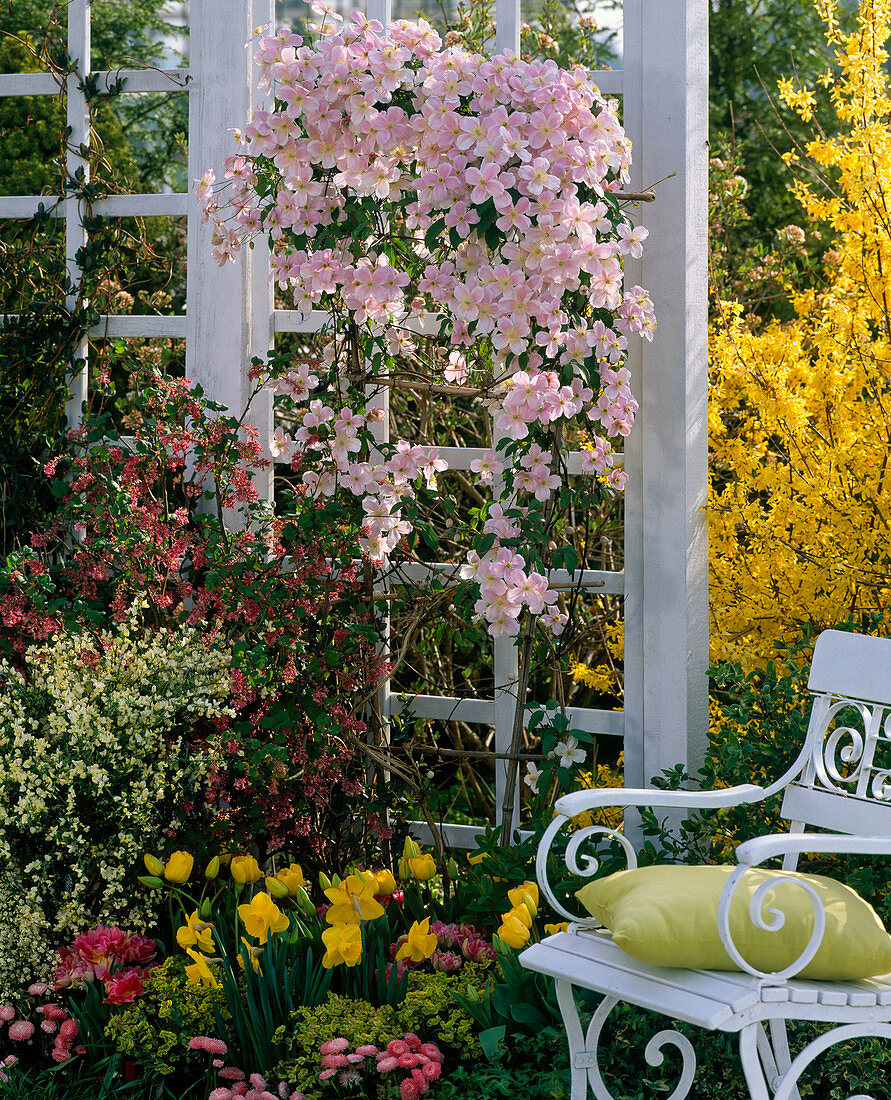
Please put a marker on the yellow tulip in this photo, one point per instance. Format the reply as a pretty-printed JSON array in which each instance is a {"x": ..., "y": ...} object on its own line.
[
  {"x": 419, "y": 944},
  {"x": 352, "y": 900},
  {"x": 212, "y": 869},
  {"x": 553, "y": 929},
  {"x": 410, "y": 850},
  {"x": 343, "y": 944},
  {"x": 513, "y": 931},
  {"x": 262, "y": 916},
  {"x": 276, "y": 887},
  {"x": 292, "y": 877},
  {"x": 200, "y": 973},
  {"x": 521, "y": 913},
  {"x": 422, "y": 867},
  {"x": 386, "y": 884},
  {"x": 525, "y": 894},
  {"x": 179, "y": 867},
  {"x": 153, "y": 865},
  {"x": 195, "y": 932},
  {"x": 245, "y": 869}
]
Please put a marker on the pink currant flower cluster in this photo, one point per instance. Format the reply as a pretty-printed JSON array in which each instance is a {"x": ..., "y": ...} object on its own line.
[
  {"x": 116, "y": 958},
  {"x": 422, "y": 1060},
  {"x": 56, "y": 1022}
]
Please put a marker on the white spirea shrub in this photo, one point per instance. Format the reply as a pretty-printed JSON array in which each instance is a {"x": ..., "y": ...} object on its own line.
[{"x": 95, "y": 763}]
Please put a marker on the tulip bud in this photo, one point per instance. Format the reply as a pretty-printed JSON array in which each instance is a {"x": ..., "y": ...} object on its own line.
[
  {"x": 452, "y": 867},
  {"x": 410, "y": 849},
  {"x": 304, "y": 902},
  {"x": 204, "y": 909},
  {"x": 276, "y": 888},
  {"x": 212, "y": 869},
  {"x": 324, "y": 881},
  {"x": 178, "y": 868},
  {"x": 151, "y": 881},
  {"x": 153, "y": 865}
]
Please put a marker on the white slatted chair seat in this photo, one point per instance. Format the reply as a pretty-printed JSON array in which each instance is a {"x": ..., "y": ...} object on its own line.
[{"x": 841, "y": 785}]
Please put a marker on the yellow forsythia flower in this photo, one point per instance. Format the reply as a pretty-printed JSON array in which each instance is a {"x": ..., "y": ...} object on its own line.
[
  {"x": 262, "y": 916},
  {"x": 419, "y": 944},
  {"x": 343, "y": 944},
  {"x": 179, "y": 867},
  {"x": 245, "y": 869}
]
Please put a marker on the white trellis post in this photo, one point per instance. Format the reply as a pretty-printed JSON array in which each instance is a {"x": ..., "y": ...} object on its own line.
[
  {"x": 666, "y": 556},
  {"x": 229, "y": 309}
]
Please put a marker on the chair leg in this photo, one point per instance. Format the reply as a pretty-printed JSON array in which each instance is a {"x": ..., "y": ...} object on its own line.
[
  {"x": 751, "y": 1046},
  {"x": 584, "y": 1064}
]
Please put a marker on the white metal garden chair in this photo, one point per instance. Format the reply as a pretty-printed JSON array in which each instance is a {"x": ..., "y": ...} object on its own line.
[{"x": 841, "y": 784}]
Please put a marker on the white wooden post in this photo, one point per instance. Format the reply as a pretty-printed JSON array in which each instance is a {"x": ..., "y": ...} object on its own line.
[
  {"x": 229, "y": 316},
  {"x": 78, "y": 119},
  {"x": 666, "y": 557}
]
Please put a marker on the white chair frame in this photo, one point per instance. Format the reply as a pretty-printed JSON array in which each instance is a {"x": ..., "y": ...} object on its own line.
[{"x": 837, "y": 785}]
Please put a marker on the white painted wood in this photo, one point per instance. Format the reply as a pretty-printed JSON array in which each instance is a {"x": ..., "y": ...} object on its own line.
[
  {"x": 294, "y": 320},
  {"x": 851, "y": 665},
  {"x": 133, "y": 325},
  {"x": 25, "y": 206},
  {"x": 78, "y": 118},
  {"x": 666, "y": 626},
  {"x": 142, "y": 206},
  {"x": 507, "y": 26},
  {"x": 135, "y": 80},
  {"x": 609, "y": 81},
  {"x": 828, "y": 810},
  {"x": 579, "y": 801},
  {"x": 229, "y": 309},
  {"x": 29, "y": 84}
]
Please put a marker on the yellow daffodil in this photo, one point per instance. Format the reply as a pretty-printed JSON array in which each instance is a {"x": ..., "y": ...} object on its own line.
[
  {"x": 254, "y": 954},
  {"x": 179, "y": 867},
  {"x": 343, "y": 944},
  {"x": 200, "y": 973},
  {"x": 386, "y": 884},
  {"x": 352, "y": 900},
  {"x": 419, "y": 944},
  {"x": 245, "y": 869},
  {"x": 525, "y": 894},
  {"x": 153, "y": 865},
  {"x": 195, "y": 932},
  {"x": 513, "y": 931},
  {"x": 261, "y": 917},
  {"x": 422, "y": 867},
  {"x": 292, "y": 877}
]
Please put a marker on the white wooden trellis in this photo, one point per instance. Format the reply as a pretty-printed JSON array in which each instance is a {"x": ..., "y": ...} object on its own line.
[{"x": 230, "y": 317}]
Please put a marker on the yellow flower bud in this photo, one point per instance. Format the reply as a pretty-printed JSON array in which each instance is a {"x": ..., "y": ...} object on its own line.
[
  {"x": 276, "y": 888},
  {"x": 304, "y": 902},
  {"x": 153, "y": 865},
  {"x": 525, "y": 894},
  {"x": 151, "y": 881},
  {"x": 212, "y": 869},
  {"x": 179, "y": 867},
  {"x": 245, "y": 869},
  {"x": 324, "y": 881}
]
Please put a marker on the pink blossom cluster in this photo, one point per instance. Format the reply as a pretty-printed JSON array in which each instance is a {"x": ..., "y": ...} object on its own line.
[
  {"x": 116, "y": 958},
  {"x": 422, "y": 1060},
  {"x": 507, "y": 586}
]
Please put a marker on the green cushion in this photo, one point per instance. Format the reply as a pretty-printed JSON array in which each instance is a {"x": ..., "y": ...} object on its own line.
[{"x": 667, "y": 916}]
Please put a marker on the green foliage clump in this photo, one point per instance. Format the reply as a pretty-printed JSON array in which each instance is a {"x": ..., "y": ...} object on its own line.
[
  {"x": 429, "y": 1011},
  {"x": 156, "y": 1028}
]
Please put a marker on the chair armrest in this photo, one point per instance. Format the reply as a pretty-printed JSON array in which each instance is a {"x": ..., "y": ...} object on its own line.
[
  {"x": 578, "y": 801},
  {"x": 779, "y": 844}
]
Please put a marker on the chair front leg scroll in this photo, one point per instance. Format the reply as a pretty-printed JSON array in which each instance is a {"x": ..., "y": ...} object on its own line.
[{"x": 583, "y": 1058}]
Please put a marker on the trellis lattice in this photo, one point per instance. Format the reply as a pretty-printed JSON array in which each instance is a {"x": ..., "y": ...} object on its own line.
[{"x": 230, "y": 317}]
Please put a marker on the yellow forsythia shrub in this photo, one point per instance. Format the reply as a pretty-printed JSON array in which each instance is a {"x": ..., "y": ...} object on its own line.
[{"x": 800, "y": 411}]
